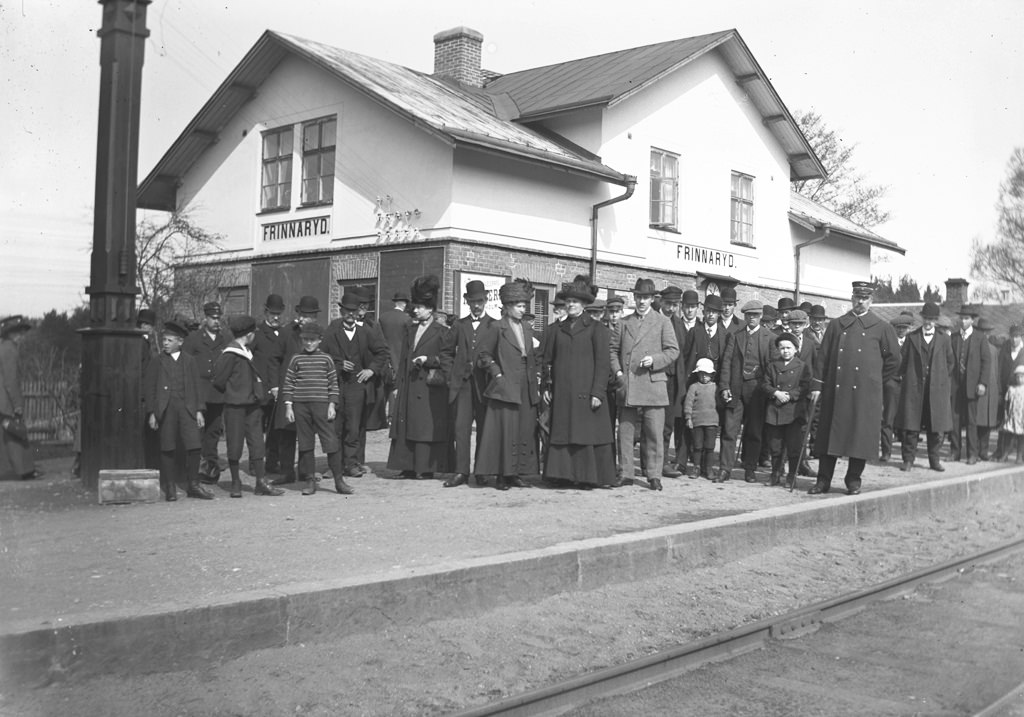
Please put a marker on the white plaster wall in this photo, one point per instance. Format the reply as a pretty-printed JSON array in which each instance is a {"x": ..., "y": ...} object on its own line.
[
  {"x": 378, "y": 154},
  {"x": 830, "y": 266}
]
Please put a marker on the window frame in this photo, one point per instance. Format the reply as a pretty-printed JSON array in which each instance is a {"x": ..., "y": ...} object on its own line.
[
  {"x": 658, "y": 182},
  {"x": 283, "y": 188},
  {"x": 324, "y": 180},
  {"x": 737, "y": 203}
]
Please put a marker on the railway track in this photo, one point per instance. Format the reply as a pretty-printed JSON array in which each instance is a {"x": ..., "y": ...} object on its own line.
[{"x": 666, "y": 665}]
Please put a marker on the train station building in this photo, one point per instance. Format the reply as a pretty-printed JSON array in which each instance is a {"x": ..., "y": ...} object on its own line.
[{"x": 324, "y": 169}]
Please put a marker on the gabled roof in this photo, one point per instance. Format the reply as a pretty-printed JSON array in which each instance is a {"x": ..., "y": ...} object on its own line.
[
  {"x": 605, "y": 80},
  {"x": 431, "y": 104},
  {"x": 814, "y": 216}
]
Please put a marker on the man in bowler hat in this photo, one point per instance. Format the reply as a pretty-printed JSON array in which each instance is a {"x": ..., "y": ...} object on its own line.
[
  {"x": 970, "y": 377},
  {"x": 729, "y": 318},
  {"x": 267, "y": 353}
]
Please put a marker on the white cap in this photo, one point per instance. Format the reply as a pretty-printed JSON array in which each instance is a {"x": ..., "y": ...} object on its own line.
[{"x": 704, "y": 365}]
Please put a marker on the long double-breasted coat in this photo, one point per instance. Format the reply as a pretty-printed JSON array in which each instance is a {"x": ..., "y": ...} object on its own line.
[
  {"x": 205, "y": 350},
  {"x": 422, "y": 411},
  {"x": 988, "y": 405},
  {"x": 580, "y": 363},
  {"x": 795, "y": 379},
  {"x": 858, "y": 354},
  {"x": 653, "y": 336},
  {"x": 923, "y": 370}
]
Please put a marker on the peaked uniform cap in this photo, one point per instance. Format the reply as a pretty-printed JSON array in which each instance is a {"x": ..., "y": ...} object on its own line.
[
  {"x": 212, "y": 308},
  {"x": 863, "y": 288}
]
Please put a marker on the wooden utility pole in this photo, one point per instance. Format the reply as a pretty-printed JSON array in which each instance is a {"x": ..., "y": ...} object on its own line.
[{"x": 111, "y": 420}]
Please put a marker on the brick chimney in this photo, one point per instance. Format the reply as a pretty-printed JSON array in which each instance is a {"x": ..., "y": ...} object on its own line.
[
  {"x": 457, "y": 55},
  {"x": 956, "y": 294}
]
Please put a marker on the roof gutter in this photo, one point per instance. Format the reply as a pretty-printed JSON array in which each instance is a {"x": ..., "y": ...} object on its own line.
[
  {"x": 826, "y": 231},
  {"x": 630, "y": 188}
]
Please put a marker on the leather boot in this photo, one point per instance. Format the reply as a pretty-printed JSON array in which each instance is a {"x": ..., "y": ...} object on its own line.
[
  {"x": 499, "y": 483},
  {"x": 287, "y": 478},
  {"x": 236, "y": 481},
  {"x": 262, "y": 487},
  {"x": 806, "y": 470},
  {"x": 310, "y": 488},
  {"x": 195, "y": 490},
  {"x": 1000, "y": 453},
  {"x": 776, "y": 474},
  {"x": 342, "y": 487}
]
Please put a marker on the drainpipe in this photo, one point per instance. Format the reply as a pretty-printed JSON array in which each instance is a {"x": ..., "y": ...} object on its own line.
[
  {"x": 630, "y": 187},
  {"x": 826, "y": 230}
]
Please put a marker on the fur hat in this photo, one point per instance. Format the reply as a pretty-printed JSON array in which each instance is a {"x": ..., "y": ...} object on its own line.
[
  {"x": 424, "y": 291},
  {"x": 579, "y": 289},
  {"x": 517, "y": 290}
]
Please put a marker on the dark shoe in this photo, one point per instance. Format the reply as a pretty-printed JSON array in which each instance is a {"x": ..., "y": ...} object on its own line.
[
  {"x": 806, "y": 470},
  {"x": 654, "y": 483},
  {"x": 365, "y": 468},
  {"x": 907, "y": 465},
  {"x": 195, "y": 490},
  {"x": 853, "y": 488},
  {"x": 764, "y": 463},
  {"x": 670, "y": 471},
  {"x": 31, "y": 475},
  {"x": 775, "y": 478},
  {"x": 424, "y": 476},
  {"x": 310, "y": 488},
  {"x": 749, "y": 477},
  {"x": 171, "y": 493},
  {"x": 818, "y": 488},
  {"x": 342, "y": 487},
  {"x": 236, "y": 488},
  {"x": 791, "y": 481},
  {"x": 972, "y": 460},
  {"x": 936, "y": 466},
  {"x": 983, "y": 457},
  {"x": 354, "y": 471},
  {"x": 263, "y": 488},
  {"x": 284, "y": 480},
  {"x": 456, "y": 480},
  {"x": 884, "y": 458},
  {"x": 723, "y": 476},
  {"x": 500, "y": 483},
  {"x": 479, "y": 480},
  {"x": 407, "y": 475},
  {"x": 515, "y": 481},
  {"x": 954, "y": 457}
]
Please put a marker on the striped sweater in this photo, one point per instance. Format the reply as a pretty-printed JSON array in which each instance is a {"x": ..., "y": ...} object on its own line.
[{"x": 310, "y": 378}]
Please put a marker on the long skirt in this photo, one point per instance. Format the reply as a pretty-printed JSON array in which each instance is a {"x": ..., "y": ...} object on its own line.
[
  {"x": 581, "y": 464},
  {"x": 418, "y": 456},
  {"x": 508, "y": 441}
]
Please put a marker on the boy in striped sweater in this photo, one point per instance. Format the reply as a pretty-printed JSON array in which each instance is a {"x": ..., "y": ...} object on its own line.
[{"x": 310, "y": 393}]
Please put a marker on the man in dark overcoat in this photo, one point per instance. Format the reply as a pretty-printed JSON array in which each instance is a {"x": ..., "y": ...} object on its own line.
[
  {"x": 205, "y": 345},
  {"x": 969, "y": 384},
  {"x": 891, "y": 391},
  {"x": 926, "y": 368},
  {"x": 747, "y": 356},
  {"x": 859, "y": 353},
  {"x": 671, "y": 296},
  {"x": 468, "y": 381},
  {"x": 267, "y": 353},
  {"x": 393, "y": 324}
]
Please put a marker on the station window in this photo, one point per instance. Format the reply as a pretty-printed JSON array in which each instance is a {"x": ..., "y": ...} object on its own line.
[
  {"x": 276, "y": 182},
  {"x": 742, "y": 231},
  {"x": 664, "y": 190},
  {"x": 234, "y": 300},
  {"x": 318, "y": 139}
]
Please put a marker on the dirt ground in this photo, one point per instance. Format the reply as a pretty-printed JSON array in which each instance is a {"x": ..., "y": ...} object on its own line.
[{"x": 63, "y": 555}]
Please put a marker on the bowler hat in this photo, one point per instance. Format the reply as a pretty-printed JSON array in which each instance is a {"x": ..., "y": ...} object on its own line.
[
  {"x": 690, "y": 297},
  {"x": 12, "y": 324},
  {"x": 984, "y": 324},
  {"x": 274, "y": 303},
  {"x": 176, "y": 327},
  {"x": 645, "y": 287},
  {"x": 241, "y": 325},
  {"x": 311, "y": 330},
  {"x": 769, "y": 312},
  {"x": 401, "y": 296},
  {"x": 308, "y": 305},
  {"x": 713, "y": 302},
  {"x": 212, "y": 309},
  {"x": 475, "y": 291},
  {"x": 817, "y": 312},
  {"x": 350, "y": 301},
  {"x": 671, "y": 293},
  {"x": 615, "y": 301},
  {"x": 785, "y": 336},
  {"x": 146, "y": 316},
  {"x": 751, "y": 307},
  {"x": 786, "y": 304},
  {"x": 363, "y": 296},
  {"x": 806, "y": 306},
  {"x": 863, "y": 288},
  {"x": 728, "y": 295},
  {"x": 967, "y": 310}
]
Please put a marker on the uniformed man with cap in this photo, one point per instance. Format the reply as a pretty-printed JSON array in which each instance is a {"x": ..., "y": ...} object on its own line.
[
  {"x": 902, "y": 323},
  {"x": 204, "y": 345},
  {"x": 858, "y": 355},
  {"x": 267, "y": 354}
]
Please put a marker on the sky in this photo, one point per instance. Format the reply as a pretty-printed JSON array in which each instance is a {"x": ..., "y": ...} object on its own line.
[{"x": 931, "y": 92}]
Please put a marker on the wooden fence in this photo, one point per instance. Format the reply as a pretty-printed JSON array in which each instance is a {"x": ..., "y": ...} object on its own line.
[{"x": 51, "y": 410}]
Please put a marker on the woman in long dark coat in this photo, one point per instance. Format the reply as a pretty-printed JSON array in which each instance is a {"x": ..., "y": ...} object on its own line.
[
  {"x": 1011, "y": 355},
  {"x": 419, "y": 432},
  {"x": 508, "y": 441},
  {"x": 580, "y": 446},
  {"x": 988, "y": 405}
]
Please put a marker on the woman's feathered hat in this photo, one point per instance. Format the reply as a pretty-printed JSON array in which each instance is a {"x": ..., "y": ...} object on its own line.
[
  {"x": 580, "y": 288},
  {"x": 425, "y": 290},
  {"x": 515, "y": 291}
]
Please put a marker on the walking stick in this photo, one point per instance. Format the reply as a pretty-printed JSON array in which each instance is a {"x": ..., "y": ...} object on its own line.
[{"x": 807, "y": 434}]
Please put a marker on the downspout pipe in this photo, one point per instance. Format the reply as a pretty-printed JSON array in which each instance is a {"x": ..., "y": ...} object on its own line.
[
  {"x": 826, "y": 230},
  {"x": 630, "y": 188}
]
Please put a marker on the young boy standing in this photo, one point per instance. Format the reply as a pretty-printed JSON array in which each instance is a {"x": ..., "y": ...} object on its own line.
[
  {"x": 235, "y": 375},
  {"x": 175, "y": 404},
  {"x": 311, "y": 395},
  {"x": 787, "y": 381}
]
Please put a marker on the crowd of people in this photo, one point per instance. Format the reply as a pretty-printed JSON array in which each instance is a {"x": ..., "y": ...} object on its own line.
[{"x": 482, "y": 398}]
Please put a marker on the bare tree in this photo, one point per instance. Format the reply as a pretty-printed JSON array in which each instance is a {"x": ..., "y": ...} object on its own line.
[
  {"x": 1001, "y": 261},
  {"x": 170, "y": 279},
  {"x": 845, "y": 191}
]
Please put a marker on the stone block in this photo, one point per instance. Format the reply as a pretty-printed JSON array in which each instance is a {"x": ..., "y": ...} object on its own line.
[{"x": 136, "y": 485}]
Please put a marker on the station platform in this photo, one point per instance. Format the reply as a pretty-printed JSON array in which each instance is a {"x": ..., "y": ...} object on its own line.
[{"x": 91, "y": 589}]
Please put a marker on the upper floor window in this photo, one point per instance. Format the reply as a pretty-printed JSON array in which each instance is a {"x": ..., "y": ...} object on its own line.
[
  {"x": 742, "y": 231},
  {"x": 664, "y": 190},
  {"x": 277, "y": 169},
  {"x": 318, "y": 161}
]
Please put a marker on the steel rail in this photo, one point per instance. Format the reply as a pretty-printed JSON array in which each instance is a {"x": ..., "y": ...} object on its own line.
[
  {"x": 667, "y": 664},
  {"x": 1009, "y": 704}
]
